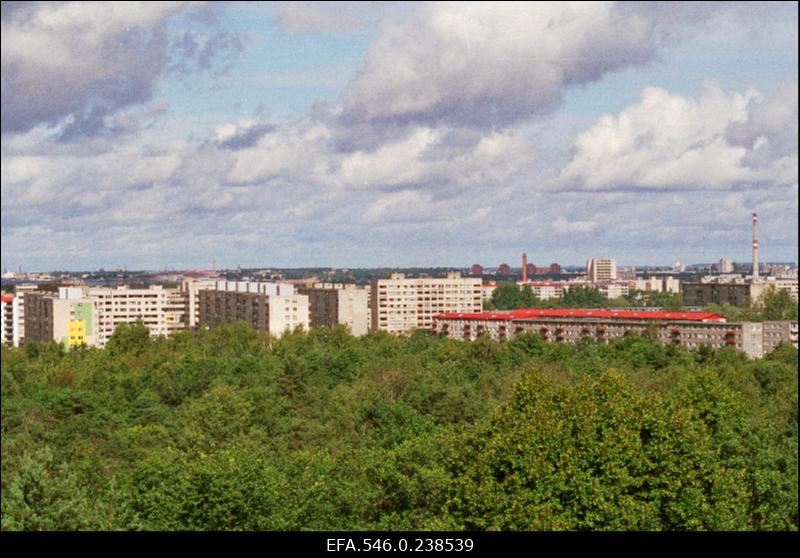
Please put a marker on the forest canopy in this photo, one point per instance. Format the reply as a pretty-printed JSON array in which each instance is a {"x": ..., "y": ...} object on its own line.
[{"x": 230, "y": 429}]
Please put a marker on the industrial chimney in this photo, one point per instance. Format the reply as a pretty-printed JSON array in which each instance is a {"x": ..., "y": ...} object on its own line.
[
  {"x": 524, "y": 267},
  {"x": 755, "y": 247}
]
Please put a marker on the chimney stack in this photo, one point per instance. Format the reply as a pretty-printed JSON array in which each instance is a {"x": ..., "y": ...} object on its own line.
[
  {"x": 755, "y": 247},
  {"x": 524, "y": 267}
]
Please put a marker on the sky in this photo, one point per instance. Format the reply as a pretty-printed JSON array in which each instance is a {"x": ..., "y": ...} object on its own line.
[{"x": 174, "y": 135}]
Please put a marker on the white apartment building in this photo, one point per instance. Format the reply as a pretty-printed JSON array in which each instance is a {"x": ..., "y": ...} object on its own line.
[
  {"x": 725, "y": 266},
  {"x": 161, "y": 310},
  {"x": 9, "y": 320},
  {"x": 190, "y": 289},
  {"x": 547, "y": 291},
  {"x": 786, "y": 285},
  {"x": 658, "y": 285},
  {"x": 400, "y": 305},
  {"x": 601, "y": 270}
]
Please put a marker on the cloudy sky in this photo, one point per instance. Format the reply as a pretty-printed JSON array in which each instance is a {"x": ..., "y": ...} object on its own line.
[{"x": 441, "y": 134}]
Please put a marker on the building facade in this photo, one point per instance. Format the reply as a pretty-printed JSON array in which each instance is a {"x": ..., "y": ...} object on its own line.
[
  {"x": 89, "y": 315},
  {"x": 705, "y": 293},
  {"x": 400, "y": 305},
  {"x": 264, "y": 312},
  {"x": 10, "y": 320},
  {"x": 332, "y": 304},
  {"x": 601, "y": 270},
  {"x": 688, "y": 329}
]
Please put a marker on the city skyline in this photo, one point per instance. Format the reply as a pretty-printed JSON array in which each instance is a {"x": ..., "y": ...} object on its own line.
[{"x": 396, "y": 135}]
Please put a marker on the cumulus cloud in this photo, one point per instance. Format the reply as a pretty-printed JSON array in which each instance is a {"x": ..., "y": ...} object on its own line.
[
  {"x": 769, "y": 132},
  {"x": 78, "y": 63},
  {"x": 441, "y": 158},
  {"x": 493, "y": 65},
  {"x": 668, "y": 141}
]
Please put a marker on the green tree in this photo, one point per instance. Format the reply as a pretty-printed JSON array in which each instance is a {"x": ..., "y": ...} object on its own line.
[{"x": 593, "y": 456}]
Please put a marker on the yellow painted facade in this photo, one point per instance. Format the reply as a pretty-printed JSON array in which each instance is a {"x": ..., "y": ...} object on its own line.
[{"x": 77, "y": 333}]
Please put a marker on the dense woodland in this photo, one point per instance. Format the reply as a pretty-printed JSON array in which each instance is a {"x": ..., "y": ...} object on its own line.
[{"x": 234, "y": 430}]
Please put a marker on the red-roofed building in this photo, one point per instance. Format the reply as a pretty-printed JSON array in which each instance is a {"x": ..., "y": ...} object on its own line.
[{"x": 689, "y": 329}]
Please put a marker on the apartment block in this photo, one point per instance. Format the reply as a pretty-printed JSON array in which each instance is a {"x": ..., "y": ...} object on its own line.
[
  {"x": 264, "y": 312},
  {"x": 191, "y": 288},
  {"x": 601, "y": 270},
  {"x": 68, "y": 318},
  {"x": 10, "y": 319},
  {"x": 14, "y": 315},
  {"x": 688, "y": 329},
  {"x": 89, "y": 315},
  {"x": 658, "y": 285},
  {"x": 400, "y": 305},
  {"x": 703, "y": 294},
  {"x": 547, "y": 291},
  {"x": 160, "y": 309},
  {"x": 332, "y": 304}
]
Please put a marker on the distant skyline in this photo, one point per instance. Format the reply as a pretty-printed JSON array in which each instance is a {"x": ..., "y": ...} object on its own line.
[{"x": 396, "y": 135}]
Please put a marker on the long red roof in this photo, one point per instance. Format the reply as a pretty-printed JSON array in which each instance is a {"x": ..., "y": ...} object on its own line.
[
  {"x": 534, "y": 313},
  {"x": 8, "y": 298}
]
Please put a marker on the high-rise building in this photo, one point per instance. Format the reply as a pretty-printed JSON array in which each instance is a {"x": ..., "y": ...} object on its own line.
[
  {"x": 725, "y": 266},
  {"x": 555, "y": 268},
  {"x": 332, "y": 304},
  {"x": 89, "y": 315},
  {"x": 10, "y": 320},
  {"x": 476, "y": 269},
  {"x": 256, "y": 305},
  {"x": 504, "y": 269},
  {"x": 601, "y": 270},
  {"x": 401, "y": 305}
]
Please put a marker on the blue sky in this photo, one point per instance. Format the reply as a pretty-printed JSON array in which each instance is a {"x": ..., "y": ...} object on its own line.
[{"x": 394, "y": 134}]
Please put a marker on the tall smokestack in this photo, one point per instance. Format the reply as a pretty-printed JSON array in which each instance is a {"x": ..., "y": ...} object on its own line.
[
  {"x": 524, "y": 268},
  {"x": 755, "y": 247}
]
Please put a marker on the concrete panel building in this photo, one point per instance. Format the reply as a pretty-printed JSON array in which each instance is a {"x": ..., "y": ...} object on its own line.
[
  {"x": 274, "y": 314},
  {"x": 332, "y": 304},
  {"x": 400, "y": 305},
  {"x": 89, "y": 315},
  {"x": 67, "y": 318},
  {"x": 9, "y": 320},
  {"x": 601, "y": 270},
  {"x": 738, "y": 294},
  {"x": 688, "y": 329}
]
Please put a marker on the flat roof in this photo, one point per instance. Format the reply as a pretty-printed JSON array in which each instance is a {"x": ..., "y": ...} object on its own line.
[{"x": 534, "y": 313}]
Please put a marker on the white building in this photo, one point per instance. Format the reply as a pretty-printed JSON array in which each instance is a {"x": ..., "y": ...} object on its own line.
[
  {"x": 601, "y": 270},
  {"x": 401, "y": 305},
  {"x": 658, "y": 285},
  {"x": 11, "y": 333},
  {"x": 725, "y": 266}
]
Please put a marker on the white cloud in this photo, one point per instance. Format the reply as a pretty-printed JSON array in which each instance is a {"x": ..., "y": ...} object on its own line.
[
  {"x": 76, "y": 63},
  {"x": 495, "y": 64},
  {"x": 667, "y": 141}
]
